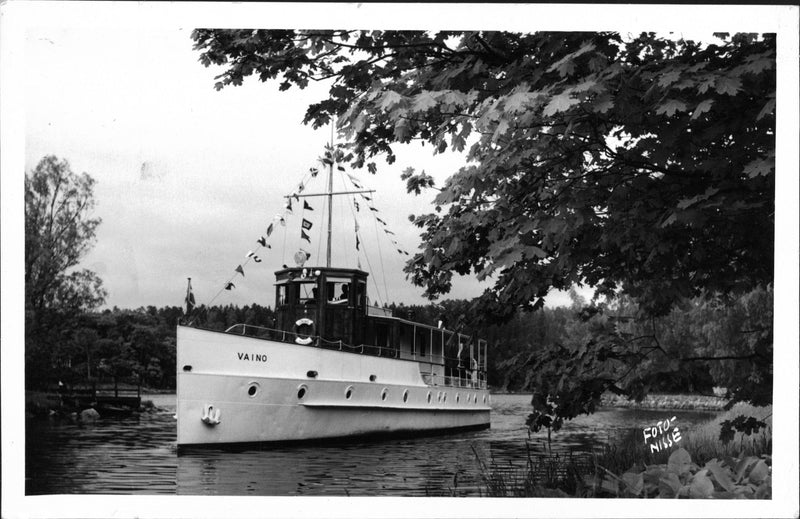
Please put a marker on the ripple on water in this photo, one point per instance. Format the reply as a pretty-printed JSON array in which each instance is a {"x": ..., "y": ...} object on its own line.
[{"x": 137, "y": 455}]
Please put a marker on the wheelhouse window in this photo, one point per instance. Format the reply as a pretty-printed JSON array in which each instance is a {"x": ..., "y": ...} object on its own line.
[
  {"x": 337, "y": 291},
  {"x": 307, "y": 292},
  {"x": 280, "y": 296}
]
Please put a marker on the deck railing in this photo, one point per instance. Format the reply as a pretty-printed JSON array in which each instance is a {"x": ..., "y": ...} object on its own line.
[
  {"x": 433, "y": 379},
  {"x": 262, "y": 332}
]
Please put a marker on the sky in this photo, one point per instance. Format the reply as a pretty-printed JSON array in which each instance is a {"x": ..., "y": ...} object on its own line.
[{"x": 188, "y": 177}]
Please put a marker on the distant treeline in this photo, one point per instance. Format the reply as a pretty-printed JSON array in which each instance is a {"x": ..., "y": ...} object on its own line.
[{"x": 139, "y": 345}]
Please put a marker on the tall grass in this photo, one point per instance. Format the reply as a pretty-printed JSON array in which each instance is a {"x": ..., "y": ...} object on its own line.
[
  {"x": 703, "y": 442},
  {"x": 565, "y": 474}
]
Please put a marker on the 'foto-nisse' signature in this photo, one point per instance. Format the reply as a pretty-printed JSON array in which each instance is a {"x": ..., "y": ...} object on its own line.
[{"x": 663, "y": 435}]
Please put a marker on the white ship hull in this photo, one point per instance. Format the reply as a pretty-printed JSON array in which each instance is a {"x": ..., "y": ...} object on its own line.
[{"x": 238, "y": 389}]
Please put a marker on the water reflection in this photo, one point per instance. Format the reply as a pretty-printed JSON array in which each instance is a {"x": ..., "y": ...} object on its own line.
[{"x": 138, "y": 455}]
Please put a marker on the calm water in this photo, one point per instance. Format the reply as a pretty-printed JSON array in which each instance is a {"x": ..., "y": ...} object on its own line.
[{"x": 138, "y": 456}]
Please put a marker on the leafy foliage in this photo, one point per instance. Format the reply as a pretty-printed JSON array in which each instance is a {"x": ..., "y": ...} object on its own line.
[
  {"x": 644, "y": 164},
  {"x": 58, "y": 233},
  {"x": 731, "y": 478},
  {"x": 746, "y": 425},
  {"x": 125, "y": 345},
  {"x": 704, "y": 342},
  {"x": 59, "y": 230}
]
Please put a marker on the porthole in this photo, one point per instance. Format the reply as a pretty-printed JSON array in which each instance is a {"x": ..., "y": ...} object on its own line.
[
  {"x": 384, "y": 394},
  {"x": 439, "y": 396},
  {"x": 444, "y": 398},
  {"x": 484, "y": 399},
  {"x": 405, "y": 395},
  {"x": 252, "y": 389},
  {"x": 301, "y": 392},
  {"x": 458, "y": 397},
  {"x": 429, "y": 397},
  {"x": 348, "y": 392}
]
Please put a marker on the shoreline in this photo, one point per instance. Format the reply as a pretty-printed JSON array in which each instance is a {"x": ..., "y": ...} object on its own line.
[
  {"x": 665, "y": 401},
  {"x": 653, "y": 401}
]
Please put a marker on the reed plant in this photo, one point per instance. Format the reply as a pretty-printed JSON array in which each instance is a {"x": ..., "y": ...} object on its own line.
[{"x": 582, "y": 474}]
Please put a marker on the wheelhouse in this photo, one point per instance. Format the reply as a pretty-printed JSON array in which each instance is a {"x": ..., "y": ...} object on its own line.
[{"x": 329, "y": 308}]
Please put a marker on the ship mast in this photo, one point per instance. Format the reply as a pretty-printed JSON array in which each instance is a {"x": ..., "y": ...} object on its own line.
[
  {"x": 329, "y": 194},
  {"x": 330, "y": 204}
]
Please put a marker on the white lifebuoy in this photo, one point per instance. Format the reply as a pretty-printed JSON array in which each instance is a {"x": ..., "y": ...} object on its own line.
[{"x": 305, "y": 338}]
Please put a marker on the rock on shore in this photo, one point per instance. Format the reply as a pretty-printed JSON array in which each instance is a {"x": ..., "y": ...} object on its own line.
[{"x": 89, "y": 415}]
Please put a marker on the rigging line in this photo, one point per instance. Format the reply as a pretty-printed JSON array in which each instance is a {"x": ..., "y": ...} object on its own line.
[
  {"x": 229, "y": 280},
  {"x": 321, "y": 226},
  {"x": 366, "y": 256},
  {"x": 283, "y": 248},
  {"x": 303, "y": 181},
  {"x": 342, "y": 218},
  {"x": 380, "y": 254}
]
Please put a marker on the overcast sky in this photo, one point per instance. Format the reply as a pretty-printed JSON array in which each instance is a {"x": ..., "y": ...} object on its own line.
[{"x": 188, "y": 178}]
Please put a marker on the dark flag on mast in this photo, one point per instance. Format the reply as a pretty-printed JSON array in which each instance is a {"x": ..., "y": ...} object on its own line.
[
  {"x": 305, "y": 236},
  {"x": 307, "y": 224},
  {"x": 307, "y": 206},
  {"x": 189, "y": 298}
]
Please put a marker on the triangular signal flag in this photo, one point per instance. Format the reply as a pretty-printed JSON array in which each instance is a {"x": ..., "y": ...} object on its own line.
[
  {"x": 256, "y": 259},
  {"x": 240, "y": 270},
  {"x": 305, "y": 236},
  {"x": 262, "y": 241},
  {"x": 229, "y": 286},
  {"x": 306, "y": 206}
]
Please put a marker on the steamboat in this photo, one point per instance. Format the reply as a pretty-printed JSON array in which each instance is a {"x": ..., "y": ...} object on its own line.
[{"x": 332, "y": 366}]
